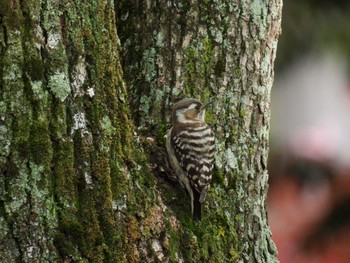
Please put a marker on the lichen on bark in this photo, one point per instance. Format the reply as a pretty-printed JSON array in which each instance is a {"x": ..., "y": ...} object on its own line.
[
  {"x": 65, "y": 131},
  {"x": 79, "y": 182},
  {"x": 213, "y": 49}
]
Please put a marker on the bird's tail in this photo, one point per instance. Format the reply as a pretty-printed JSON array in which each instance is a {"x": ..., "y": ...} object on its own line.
[{"x": 197, "y": 206}]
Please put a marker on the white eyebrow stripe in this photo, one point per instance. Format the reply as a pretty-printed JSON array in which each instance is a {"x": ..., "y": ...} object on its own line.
[{"x": 192, "y": 106}]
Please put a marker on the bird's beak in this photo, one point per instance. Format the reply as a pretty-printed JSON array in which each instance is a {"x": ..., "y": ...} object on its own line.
[{"x": 206, "y": 105}]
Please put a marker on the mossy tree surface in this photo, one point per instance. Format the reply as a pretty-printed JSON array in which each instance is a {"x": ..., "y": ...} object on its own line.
[
  {"x": 75, "y": 182},
  {"x": 65, "y": 133},
  {"x": 214, "y": 49}
]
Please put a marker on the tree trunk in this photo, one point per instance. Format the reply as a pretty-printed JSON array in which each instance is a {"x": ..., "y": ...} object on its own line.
[
  {"x": 77, "y": 183},
  {"x": 65, "y": 133},
  {"x": 211, "y": 49}
]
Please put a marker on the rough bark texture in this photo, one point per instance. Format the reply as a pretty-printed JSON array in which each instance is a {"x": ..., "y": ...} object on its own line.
[
  {"x": 65, "y": 132},
  {"x": 75, "y": 182},
  {"x": 211, "y": 49}
]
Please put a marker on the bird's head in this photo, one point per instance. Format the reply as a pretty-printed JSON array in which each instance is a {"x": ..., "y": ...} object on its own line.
[{"x": 188, "y": 111}]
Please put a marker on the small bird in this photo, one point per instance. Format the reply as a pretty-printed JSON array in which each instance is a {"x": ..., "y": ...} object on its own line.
[{"x": 191, "y": 147}]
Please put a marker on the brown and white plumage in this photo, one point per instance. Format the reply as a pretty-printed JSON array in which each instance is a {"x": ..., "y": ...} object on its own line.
[{"x": 191, "y": 148}]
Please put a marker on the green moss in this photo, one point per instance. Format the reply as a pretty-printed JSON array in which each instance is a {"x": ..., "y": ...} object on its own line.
[
  {"x": 200, "y": 64},
  {"x": 5, "y": 142},
  {"x": 40, "y": 143},
  {"x": 20, "y": 134},
  {"x": 65, "y": 191},
  {"x": 174, "y": 244},
  {"x": 100, "y": 165},
  {"x": 242, "y": 113},
  {"x": 43, "y": 142},
  {"x": 34, "y": 68},
  {"x": 217, "y": 233},
  {"x": 161, "y": 133},
  {"x": 208, "y": 51},
  {"x": 210, "y": 117},
  {"x": 237, "y": 73},
  {"x": 220, "y": 66},
  {"x": 11, "y": 13}
]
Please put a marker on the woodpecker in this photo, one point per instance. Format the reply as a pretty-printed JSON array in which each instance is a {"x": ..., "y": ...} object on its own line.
[{"x": 190, "y": 146}]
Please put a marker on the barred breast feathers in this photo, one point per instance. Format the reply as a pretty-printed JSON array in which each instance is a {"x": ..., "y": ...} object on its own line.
[{"x": 194, "y": 147}]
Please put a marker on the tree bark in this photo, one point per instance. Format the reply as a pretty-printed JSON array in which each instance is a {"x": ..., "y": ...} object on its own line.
[
  {"x": 79, "y": 182},
  {"x": 65, "y": 132},
  {"x": 211, "y": 49}
]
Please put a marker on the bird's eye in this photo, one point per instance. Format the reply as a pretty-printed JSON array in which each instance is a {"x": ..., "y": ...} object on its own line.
[{"x": 197, "y": 107}]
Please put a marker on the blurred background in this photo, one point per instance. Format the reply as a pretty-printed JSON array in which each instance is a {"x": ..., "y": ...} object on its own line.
[{"x": 309, "y": 194}]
